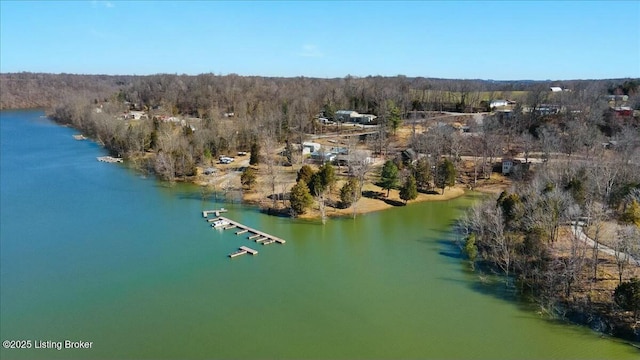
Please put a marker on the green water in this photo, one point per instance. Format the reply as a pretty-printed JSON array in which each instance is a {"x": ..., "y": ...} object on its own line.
[{"x": 94, "y": 252}]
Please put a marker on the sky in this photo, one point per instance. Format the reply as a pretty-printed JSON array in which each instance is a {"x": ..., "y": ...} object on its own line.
[{"x": 499, "y": 40}]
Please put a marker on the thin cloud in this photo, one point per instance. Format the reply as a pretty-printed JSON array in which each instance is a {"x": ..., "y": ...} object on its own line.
[{"x": 309, "y": 50}]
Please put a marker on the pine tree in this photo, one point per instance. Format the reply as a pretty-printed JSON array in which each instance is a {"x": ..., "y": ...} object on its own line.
[
  {"x": 248, "y": 178},
  {"x": 254, "y": 159},
  {"x": 389, "y": 176},
  {"x": 409, "y": 190},
  {"x": 349, "y": 192},
  {"x": 300, "y": 198},
  {"x": 446, "y": 174}
]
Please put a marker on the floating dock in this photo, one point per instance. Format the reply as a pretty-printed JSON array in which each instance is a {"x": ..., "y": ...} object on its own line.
[
  {"x": 256, "y": 233},
  {"x": 206, "y": 213},
  {"x": 243, "y": 250},
  {"x": 109, "y": 159}
]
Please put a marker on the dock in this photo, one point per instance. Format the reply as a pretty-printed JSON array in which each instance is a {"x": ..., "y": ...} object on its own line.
[
  {"x": 256, "y": 233},
  {"x": 226, "y": 224},
  {"x": 243, "y": 250},
  {"x": 217, "y": 213},
  {"x": 237, "y": 253},
  {"x": 249, "y": 250},
  {"x": 109, "y": 159}
]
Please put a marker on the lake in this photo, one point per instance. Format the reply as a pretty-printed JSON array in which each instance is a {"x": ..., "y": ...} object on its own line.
[{"x": 96, "y": 252}]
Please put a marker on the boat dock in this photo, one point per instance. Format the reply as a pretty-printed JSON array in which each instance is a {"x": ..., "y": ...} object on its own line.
[
  {"x": 243, "y": 250},
  {"x": 256, "y": 233},
  {"x": 109, "y": 159},
  {"x": 206, "y": 213}
]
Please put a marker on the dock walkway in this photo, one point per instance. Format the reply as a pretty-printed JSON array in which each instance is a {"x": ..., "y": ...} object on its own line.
[
  {"x": 215, "y": 212},
  {"x": 256, "y": 235},
  {"x": 243, "y": 250},
  {"x": 253, "y": 231}
]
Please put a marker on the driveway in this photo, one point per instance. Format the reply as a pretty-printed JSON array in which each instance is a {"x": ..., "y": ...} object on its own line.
[{"x": 578, "y": 231}]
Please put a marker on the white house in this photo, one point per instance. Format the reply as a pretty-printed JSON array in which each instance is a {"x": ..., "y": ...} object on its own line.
[
  {"x": 322, "y": 156},
  {"x": 364, "y": 118},
  {"x": 345, "y": 115},
  {"x": 136, "y": 115},
  {"x": 310, "y": 147},
  {"x": 497, "y": 103}
]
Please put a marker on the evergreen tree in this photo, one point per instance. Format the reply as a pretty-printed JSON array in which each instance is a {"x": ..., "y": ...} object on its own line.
[
  {"x": 288, "y": 152},
  {"x": 349, "y": 192},
  {"x": 248, "y": 177},
  {"x": 389, "y": 176},
  {"x": 627, "y": 296},
  {"x": 327, "y": 175},
  {"x": 395, "y": 118},
  {"x": 422, "y": 173},
  {"x": 471, "y": 249},
  {"x": 254, "y": 159},
  {"x": 305, "y": 173},
  {"x": 409, "y": 190},
  {"x": 300, "y": 198},
  {"x": 446, "y": 174}
]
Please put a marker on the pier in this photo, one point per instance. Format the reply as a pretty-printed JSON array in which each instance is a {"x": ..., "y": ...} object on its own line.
[
  {"x": 109, "y": 159},
  {"x": 243, "y": 250},
  {"x": 256, "y": 233},
  {"x": 223, "y": 223},
  {"x": 217, "y": 213}
]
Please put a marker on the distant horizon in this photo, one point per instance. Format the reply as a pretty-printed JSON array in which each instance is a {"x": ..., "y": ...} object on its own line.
[
  {"x": 464, "y": 40},
  {"x": 315, "y": 77}
]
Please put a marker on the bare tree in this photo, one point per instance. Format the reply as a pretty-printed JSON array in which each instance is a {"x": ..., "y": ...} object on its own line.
[{"x": 623, "y": 246}]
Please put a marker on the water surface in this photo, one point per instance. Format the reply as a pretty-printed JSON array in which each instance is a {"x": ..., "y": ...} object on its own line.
[{"x": 95, "y": 252}]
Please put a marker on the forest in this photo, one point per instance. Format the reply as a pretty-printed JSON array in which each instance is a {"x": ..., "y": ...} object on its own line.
[{"x": 577, "y": 172}]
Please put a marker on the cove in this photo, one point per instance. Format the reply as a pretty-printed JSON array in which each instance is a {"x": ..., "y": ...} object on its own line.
[{"x": 94, "y": 252}]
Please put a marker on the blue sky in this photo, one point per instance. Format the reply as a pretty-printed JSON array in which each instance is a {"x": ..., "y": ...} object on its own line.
[{"x": 501, "y": 40}]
